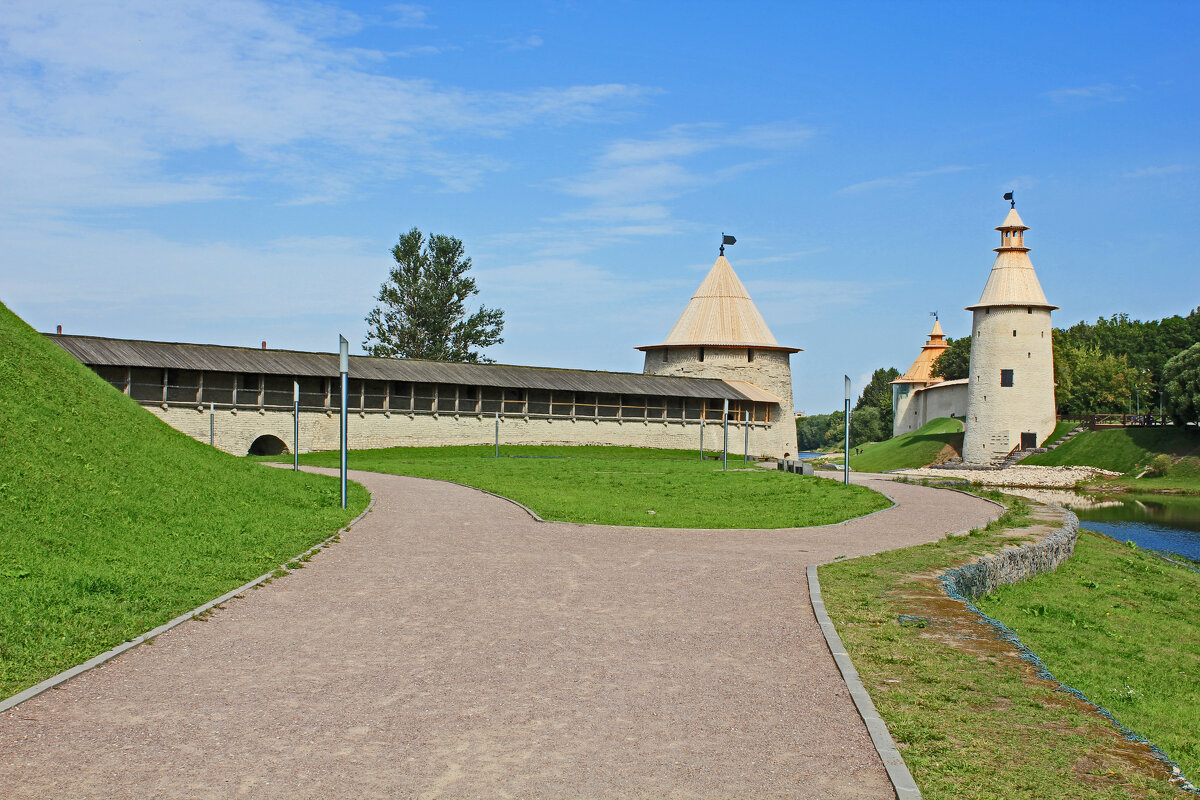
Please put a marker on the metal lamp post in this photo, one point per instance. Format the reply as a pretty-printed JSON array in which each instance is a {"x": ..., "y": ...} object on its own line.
[
  {"x": 344, "y": 369},
  {"x": 846, "y": 466},
  {"x": 725, "y": 436},
  {"x": 212, "y": 424},
  {"x": 295, "y": 426},
  {"x": 746, "y": 430}
]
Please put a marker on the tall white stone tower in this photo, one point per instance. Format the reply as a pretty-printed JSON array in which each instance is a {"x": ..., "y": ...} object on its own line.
[
  {"x": 721, "y": 334},
  {"x": 1010, "y": 398}
]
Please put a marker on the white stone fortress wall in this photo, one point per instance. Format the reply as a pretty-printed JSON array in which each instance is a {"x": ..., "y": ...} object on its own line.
[
  {"x": 1016, "y": 339},
  {"x": 235, "y": 431}
]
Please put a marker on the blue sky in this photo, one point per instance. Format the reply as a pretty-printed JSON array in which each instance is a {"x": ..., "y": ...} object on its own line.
[{"x": 232, "y": 171}]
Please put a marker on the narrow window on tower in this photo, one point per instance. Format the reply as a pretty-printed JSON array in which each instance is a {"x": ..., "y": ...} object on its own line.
[
  {"x": 1014, "y": 334},
  {"x": 1029, "y": 311},
  {"x": 1006, "y": 376},
  {"x": 749, "y": 355},
  {"x": 701, "y": 353},
  {"x": 665, "y": 351}
]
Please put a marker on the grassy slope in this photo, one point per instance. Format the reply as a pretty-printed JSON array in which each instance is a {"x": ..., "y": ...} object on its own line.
[
  {"x": 111, "y": 522},
  {"x": 1060, "y": 429},
  {"x": 1123, "y": 627},
  {"x": 1121, "y": 449},
  {"x": 619, "y": 485},
  {"x": 969, "y": 725},
  {"x": 915, "y": 449}
]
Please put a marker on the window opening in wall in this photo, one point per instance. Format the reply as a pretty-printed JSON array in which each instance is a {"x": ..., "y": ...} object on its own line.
[
  {"x": 1029, "y": 355},
  {"x": 1014, "y": 333},
  {"x": 749, "y": 355},
  {"x": 1029, "y": 311},
  {"x": 701, "y": 353},
  {"x": 447, "y": 398},
  {"x": 664, "y": 354},
  {"x": 1006, "y": 377}
]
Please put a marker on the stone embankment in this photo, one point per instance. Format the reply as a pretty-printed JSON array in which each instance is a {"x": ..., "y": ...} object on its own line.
[
  {"x": 1015, "y": 564},
  {"x": 1018, "y": 475}
]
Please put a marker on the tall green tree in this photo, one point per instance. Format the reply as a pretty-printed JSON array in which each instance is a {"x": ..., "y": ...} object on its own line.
[
  {"x": 877, "y": 394},
  {"x": 954, "y": 363},
  {"x": 422, "y": 311},
  {"x": 1181, "y": 382},
  {"x": 866, "y": 425}
]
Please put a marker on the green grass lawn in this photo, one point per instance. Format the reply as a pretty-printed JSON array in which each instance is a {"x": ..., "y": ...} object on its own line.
[
  {"x": 1123, "y": 627},
  {"x": 621, "y": 485},
  {"x": 1121, "y": 449},
  {"x": 909, "y": 450},
  {"x": 112, "y": 523},
  {"x": 968, "y": 721}
]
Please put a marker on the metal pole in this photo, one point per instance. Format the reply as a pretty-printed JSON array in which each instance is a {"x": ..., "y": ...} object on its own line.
[
  {"x": 846, "y": 466},
  {"x": 746, "y": 425},
  {"x": 497, "y": 434},
  {"x": 702, "y": 437},
  {"x": 344, "y": 369},
  {"x": 295, "y": 426},
  {"x": 212, "y": 424},
  {"x": 725, "y": 436}
]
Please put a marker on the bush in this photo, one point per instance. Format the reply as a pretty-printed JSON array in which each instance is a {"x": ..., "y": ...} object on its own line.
[{"x": 1161, "y": 465}]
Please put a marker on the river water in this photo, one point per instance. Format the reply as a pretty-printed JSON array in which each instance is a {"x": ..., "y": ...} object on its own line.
[
  {"x": 1170, "y": 523},
  {"x": 1155, "y": 522}
]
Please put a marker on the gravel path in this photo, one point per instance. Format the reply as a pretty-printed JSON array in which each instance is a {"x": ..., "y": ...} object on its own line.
[{"x": 450, "y": 646}]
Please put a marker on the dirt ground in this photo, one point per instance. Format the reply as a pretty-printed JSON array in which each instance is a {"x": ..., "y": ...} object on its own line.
[{"x": 451, "y": 646}]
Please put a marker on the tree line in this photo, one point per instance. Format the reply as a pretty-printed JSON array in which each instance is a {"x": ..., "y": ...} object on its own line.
[{"x": 1114, "y": 365}]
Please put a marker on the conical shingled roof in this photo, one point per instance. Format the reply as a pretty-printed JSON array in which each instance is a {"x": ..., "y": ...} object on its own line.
[
  {"x": 721, "y": 314},
  {"x": 1012, "y": 281},
  {"x": 1013, "y": 222},
  {"x": 921, "y": 370}
]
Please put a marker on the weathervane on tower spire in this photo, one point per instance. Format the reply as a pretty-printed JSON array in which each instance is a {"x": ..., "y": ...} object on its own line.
[
  {"x": 726, "y": 239},
  {"x": 1009, "y": 197}
]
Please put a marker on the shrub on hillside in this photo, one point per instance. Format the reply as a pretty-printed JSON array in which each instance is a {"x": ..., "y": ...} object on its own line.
[{"x": 1161, "y": 465}]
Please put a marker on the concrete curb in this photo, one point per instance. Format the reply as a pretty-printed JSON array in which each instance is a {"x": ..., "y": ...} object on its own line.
[
  {"x": 893, "y": 762},
  {"x": 902, "y": 780},
  {"x": 96, "y": 661}
]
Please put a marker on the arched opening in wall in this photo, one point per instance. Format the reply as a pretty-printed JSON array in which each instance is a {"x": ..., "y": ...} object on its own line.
[{"x": 268, "y": 445}]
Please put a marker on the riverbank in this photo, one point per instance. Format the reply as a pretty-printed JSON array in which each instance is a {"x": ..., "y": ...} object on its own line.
[
  {"x": 959, "y": 700},
  {"x": 1019, "y": 475}
]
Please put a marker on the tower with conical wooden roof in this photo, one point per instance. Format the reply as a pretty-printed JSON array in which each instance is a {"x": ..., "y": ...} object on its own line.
[
  {"x": 721, "y": 334},
  {"x": 906, "y": 411},
  {"x": 1010, "y": 397}
]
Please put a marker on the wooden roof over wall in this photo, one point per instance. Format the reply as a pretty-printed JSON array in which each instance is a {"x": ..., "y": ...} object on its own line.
[{"x": 102, "y": 351}]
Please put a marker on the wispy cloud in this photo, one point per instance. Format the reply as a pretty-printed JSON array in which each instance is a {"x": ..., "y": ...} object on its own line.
[
  {"x": 518, "y": 43},
  {"x": 1106, "y": 92},
  {"x": 408, "y": 15},
  {"x": 905, "y": 179},
  {"x": 1149, "y": 172},
  {"x": 133, "y": 103},
  {"x": 634, "y": 179}
]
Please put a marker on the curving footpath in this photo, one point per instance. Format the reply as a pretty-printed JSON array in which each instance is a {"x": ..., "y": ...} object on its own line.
[{"x": 451, "y": 646}]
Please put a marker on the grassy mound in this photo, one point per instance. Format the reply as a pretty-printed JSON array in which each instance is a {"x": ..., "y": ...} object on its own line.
[
  {"x": 909, "y": 450},
  {"x": 112, "y": 523},
  {"x": 1121, "y": 449},
  {"x": 622, "y": 485}
]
